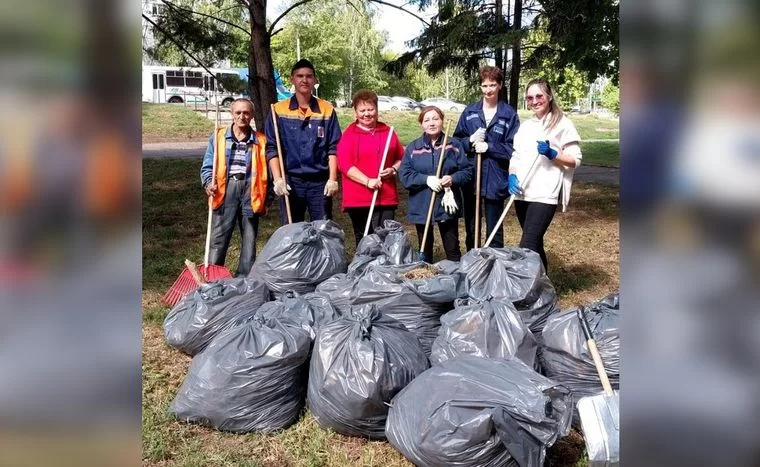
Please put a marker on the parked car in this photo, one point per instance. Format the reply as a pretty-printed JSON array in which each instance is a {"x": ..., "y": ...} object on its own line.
[
  {"x": 410, "y": 103},
  {"x": 444, "y": 104},
  {"x": 386, "y": 103}
]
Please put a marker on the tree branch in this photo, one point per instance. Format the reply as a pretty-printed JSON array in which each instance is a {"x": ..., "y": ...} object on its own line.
[
  {"x": 282, "y": 15},
  {"x": 175, "y": 7},
  {"x": 381, "y": 2}
]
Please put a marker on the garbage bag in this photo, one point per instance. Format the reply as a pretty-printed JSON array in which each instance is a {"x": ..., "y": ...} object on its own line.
[
  {"x": 515, "y": 274},
  {"x": 454, "y": 269},
  {"x": 473, "y": 411},
  {"x": 564, "y": 354},
  {"x": 338, "y": 288},
  {"x": 358, "y": 363},
  {"x": 249, "y": 378},
  {"x": 310, "y": 311},
  {"x": 388, "y": 245},
  {"x": 212, "y": 309},
  {"x": 301, "y": 255},
  {"x": 416, "y": 294},
  {"x": 490, "y": 329}
]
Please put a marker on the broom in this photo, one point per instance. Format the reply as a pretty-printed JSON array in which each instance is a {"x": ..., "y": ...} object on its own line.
[{"x": 186, "y": 283}]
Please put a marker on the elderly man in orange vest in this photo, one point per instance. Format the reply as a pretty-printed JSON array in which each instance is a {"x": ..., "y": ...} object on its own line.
[{"x": 234, "y": 175}]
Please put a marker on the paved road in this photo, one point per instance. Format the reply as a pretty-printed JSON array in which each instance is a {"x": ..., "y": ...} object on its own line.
[{"x": 196, "y": 149}]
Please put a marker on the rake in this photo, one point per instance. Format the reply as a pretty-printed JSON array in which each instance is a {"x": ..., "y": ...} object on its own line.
[{"x": 186, "y": 283}]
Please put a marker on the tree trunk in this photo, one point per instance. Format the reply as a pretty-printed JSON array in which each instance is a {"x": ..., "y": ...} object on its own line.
[
  {"x": 514, "y": 75},
  {"x": 499, "y": 53},
  {"x": 261, "y": 86}
]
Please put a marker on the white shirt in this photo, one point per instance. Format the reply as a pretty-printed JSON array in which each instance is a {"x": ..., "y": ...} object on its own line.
[{"x": 548, "y": 179}]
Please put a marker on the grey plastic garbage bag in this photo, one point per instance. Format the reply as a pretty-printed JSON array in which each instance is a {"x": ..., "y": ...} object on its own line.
[
  {"x": 491, "y": 329},
  {"x": 249, "y": 378},
  {"x": 310, "y": 311},
  {"x": 564, "y": 354},
  {"x": 454, "y": 269},
  {"x": 359, "y": 362},
  {"x": 516, "y": 274},
  {"x": 388, "y": 245},
  {"x": 212, "y": 309},
  {"x": 417, "y": 303},
  {"x": 473, "y": 411},
  {"x": 338, "y": 288},
  {"x": 301, "y": 255}
]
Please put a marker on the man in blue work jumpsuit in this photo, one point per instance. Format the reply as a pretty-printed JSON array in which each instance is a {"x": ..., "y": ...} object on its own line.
[
  {"x": 487, "y": 126},
  {"x": 309, "y": 134}
]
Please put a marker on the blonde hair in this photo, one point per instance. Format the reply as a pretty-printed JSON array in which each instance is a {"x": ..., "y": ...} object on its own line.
[{"x": 554, "y": 108}]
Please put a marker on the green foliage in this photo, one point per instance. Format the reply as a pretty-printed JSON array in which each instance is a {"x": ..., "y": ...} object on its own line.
[{"x": 611, "y": 98}]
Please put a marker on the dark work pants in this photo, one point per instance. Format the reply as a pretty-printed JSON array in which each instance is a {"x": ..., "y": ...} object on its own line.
[
  {"x": 306, "y": 193},
  {"x": 223, "y": 222},
  {"x": 492, "y": 210},
  {"x": 449, "y": 237},
  {"x": 535, "y": 219},
  {"x": 359, "y": 219}
]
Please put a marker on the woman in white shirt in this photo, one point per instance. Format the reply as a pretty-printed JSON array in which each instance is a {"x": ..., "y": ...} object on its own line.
[{"x": 550, "y": 139}]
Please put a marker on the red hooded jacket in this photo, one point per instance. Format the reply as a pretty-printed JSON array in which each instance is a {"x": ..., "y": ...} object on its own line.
[{"x": 364, "y": 150}]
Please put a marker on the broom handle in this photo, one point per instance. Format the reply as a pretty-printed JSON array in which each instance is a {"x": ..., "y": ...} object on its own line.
[
  {"x": 194, "y": 272},
  {"x": 279, "y": 158},
  {"x": 594, "y": 352},
  {"x": 211, "y": 198},
  {"x": 531, "y": 169},
  {"x": 374, "y": 194},
  {"x": 477, "y": 201},
  {"x": 432, "y": 193}
]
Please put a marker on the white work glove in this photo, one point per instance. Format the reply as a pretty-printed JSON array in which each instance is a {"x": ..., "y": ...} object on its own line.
[
  {"x": 448, "y": 202},
  {"x": 280, "y": 188},
  {"x": 331, "y": 188},
  {"x": 481, "y": 147},
  {"x": 434, "y": 183},
  {"x": 479, "y": 136}
]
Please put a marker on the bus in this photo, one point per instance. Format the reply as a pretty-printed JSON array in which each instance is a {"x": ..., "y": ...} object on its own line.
[{"x": 176, "y": 85}]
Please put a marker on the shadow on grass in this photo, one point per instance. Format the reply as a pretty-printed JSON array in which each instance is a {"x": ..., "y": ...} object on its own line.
[{"x": 569, "y": 280}]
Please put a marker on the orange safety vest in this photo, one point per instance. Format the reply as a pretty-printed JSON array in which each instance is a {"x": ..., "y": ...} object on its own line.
[{"x": 258, "y": 172}]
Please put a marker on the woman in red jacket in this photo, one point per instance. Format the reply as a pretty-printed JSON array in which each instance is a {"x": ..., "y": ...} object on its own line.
[{"x": 360, "y": 152}]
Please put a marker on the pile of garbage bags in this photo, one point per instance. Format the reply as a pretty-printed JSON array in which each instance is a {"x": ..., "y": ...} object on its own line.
[
  {"x": 388, "y": 245},
  {"x": 471, "y": 411},
  {"x": 359, "y": 362},
  {"x": 211, "y": 309}
]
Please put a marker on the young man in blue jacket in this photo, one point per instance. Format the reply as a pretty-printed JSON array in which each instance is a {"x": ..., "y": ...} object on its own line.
[
  {"x": 488, "y": 127},
  {"x": 309, "y": 135}
]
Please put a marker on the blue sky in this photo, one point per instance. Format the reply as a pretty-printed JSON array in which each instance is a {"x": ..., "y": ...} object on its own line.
[{"x": 400, "y": 26}]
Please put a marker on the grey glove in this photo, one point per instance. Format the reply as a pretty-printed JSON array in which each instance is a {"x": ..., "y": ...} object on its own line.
[
  {"x": 280, "y": 188},
  {"x": 481, "y": 147},
  {"x": 434, "y": 183},
  {"x": 479, "y": 136},
  {"x": 448, "y": 202}
]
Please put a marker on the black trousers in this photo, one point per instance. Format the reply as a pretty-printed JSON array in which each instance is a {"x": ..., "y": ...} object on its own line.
[
  {"x": 491, "y": 209},
  {"x": 535, "y": 219},
  {"x": 449, "y": 237},
  {"x": 359, "y": 219}
]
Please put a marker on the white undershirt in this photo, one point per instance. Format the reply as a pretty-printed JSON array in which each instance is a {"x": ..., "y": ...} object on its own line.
[{"x": 488, "y": 114}]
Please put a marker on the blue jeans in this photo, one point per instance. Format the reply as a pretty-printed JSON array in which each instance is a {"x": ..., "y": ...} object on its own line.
[
  {"x": 306, "y": 193},
  {"x": 223, "y": 222}
]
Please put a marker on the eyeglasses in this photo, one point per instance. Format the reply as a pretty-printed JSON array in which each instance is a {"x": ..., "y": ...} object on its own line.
[{"x": 537, "y": 98}]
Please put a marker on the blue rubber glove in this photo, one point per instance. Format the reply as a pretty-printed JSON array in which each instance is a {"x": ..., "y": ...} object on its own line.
[
  {"x": 546, "y": 150},
  {"x": 513, "y": 185}
]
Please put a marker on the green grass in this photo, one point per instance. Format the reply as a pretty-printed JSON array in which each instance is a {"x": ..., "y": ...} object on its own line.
[
  {"x": 583, "y": 253},
  {"x": 606, "y": 153},
  {"x": 170, "y": 122}
]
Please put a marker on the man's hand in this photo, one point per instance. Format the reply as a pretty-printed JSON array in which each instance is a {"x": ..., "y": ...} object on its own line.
[
  {"x": 513, "y": 185},
  {"x": 546, "y": 150},
  {"x": 374, "y": 184},
  {"x": 434, "y": 183},
  {"x": 448, "y": 202},
  {"x": 479, "y": 136},
  {"x": 331, "y": 188},
  {"x": 280, "y": 188},
  {"x": 446, "y": 181},
  {"x": 211, "y": 189},
  {"x": 481, "y": 147}
]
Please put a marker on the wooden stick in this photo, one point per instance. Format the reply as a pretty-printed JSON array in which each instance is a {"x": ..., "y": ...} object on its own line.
[
  {"x": 374, "y": 195},
  {"x": 211, "y": 198},
  {"x": 433, "y": 193},
  {"x": 279, "y": 158},
  {"x": 194, "y": 272},
  {"x": 477, "y": 201}
]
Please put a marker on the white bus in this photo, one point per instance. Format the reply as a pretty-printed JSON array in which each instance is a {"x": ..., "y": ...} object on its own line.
[{"x": 176, "y": 85}]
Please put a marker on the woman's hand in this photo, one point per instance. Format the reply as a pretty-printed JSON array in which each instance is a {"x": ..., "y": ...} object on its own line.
[
  {"x": 446, "y": 181},
  {"x": 387, "y": 172},
  {"x": 374, "y": 184}
]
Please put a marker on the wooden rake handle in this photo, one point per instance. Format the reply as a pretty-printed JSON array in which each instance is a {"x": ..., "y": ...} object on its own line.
[
  {"x": 591, "y": 343},
  {"x": 279, "y": 158},
  {"x": 374, "y": 195},
  {"x": 195, "y": 272}
]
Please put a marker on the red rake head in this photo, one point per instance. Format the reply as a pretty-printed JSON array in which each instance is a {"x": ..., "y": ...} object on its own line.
[{"x": 185, "y": 283}]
